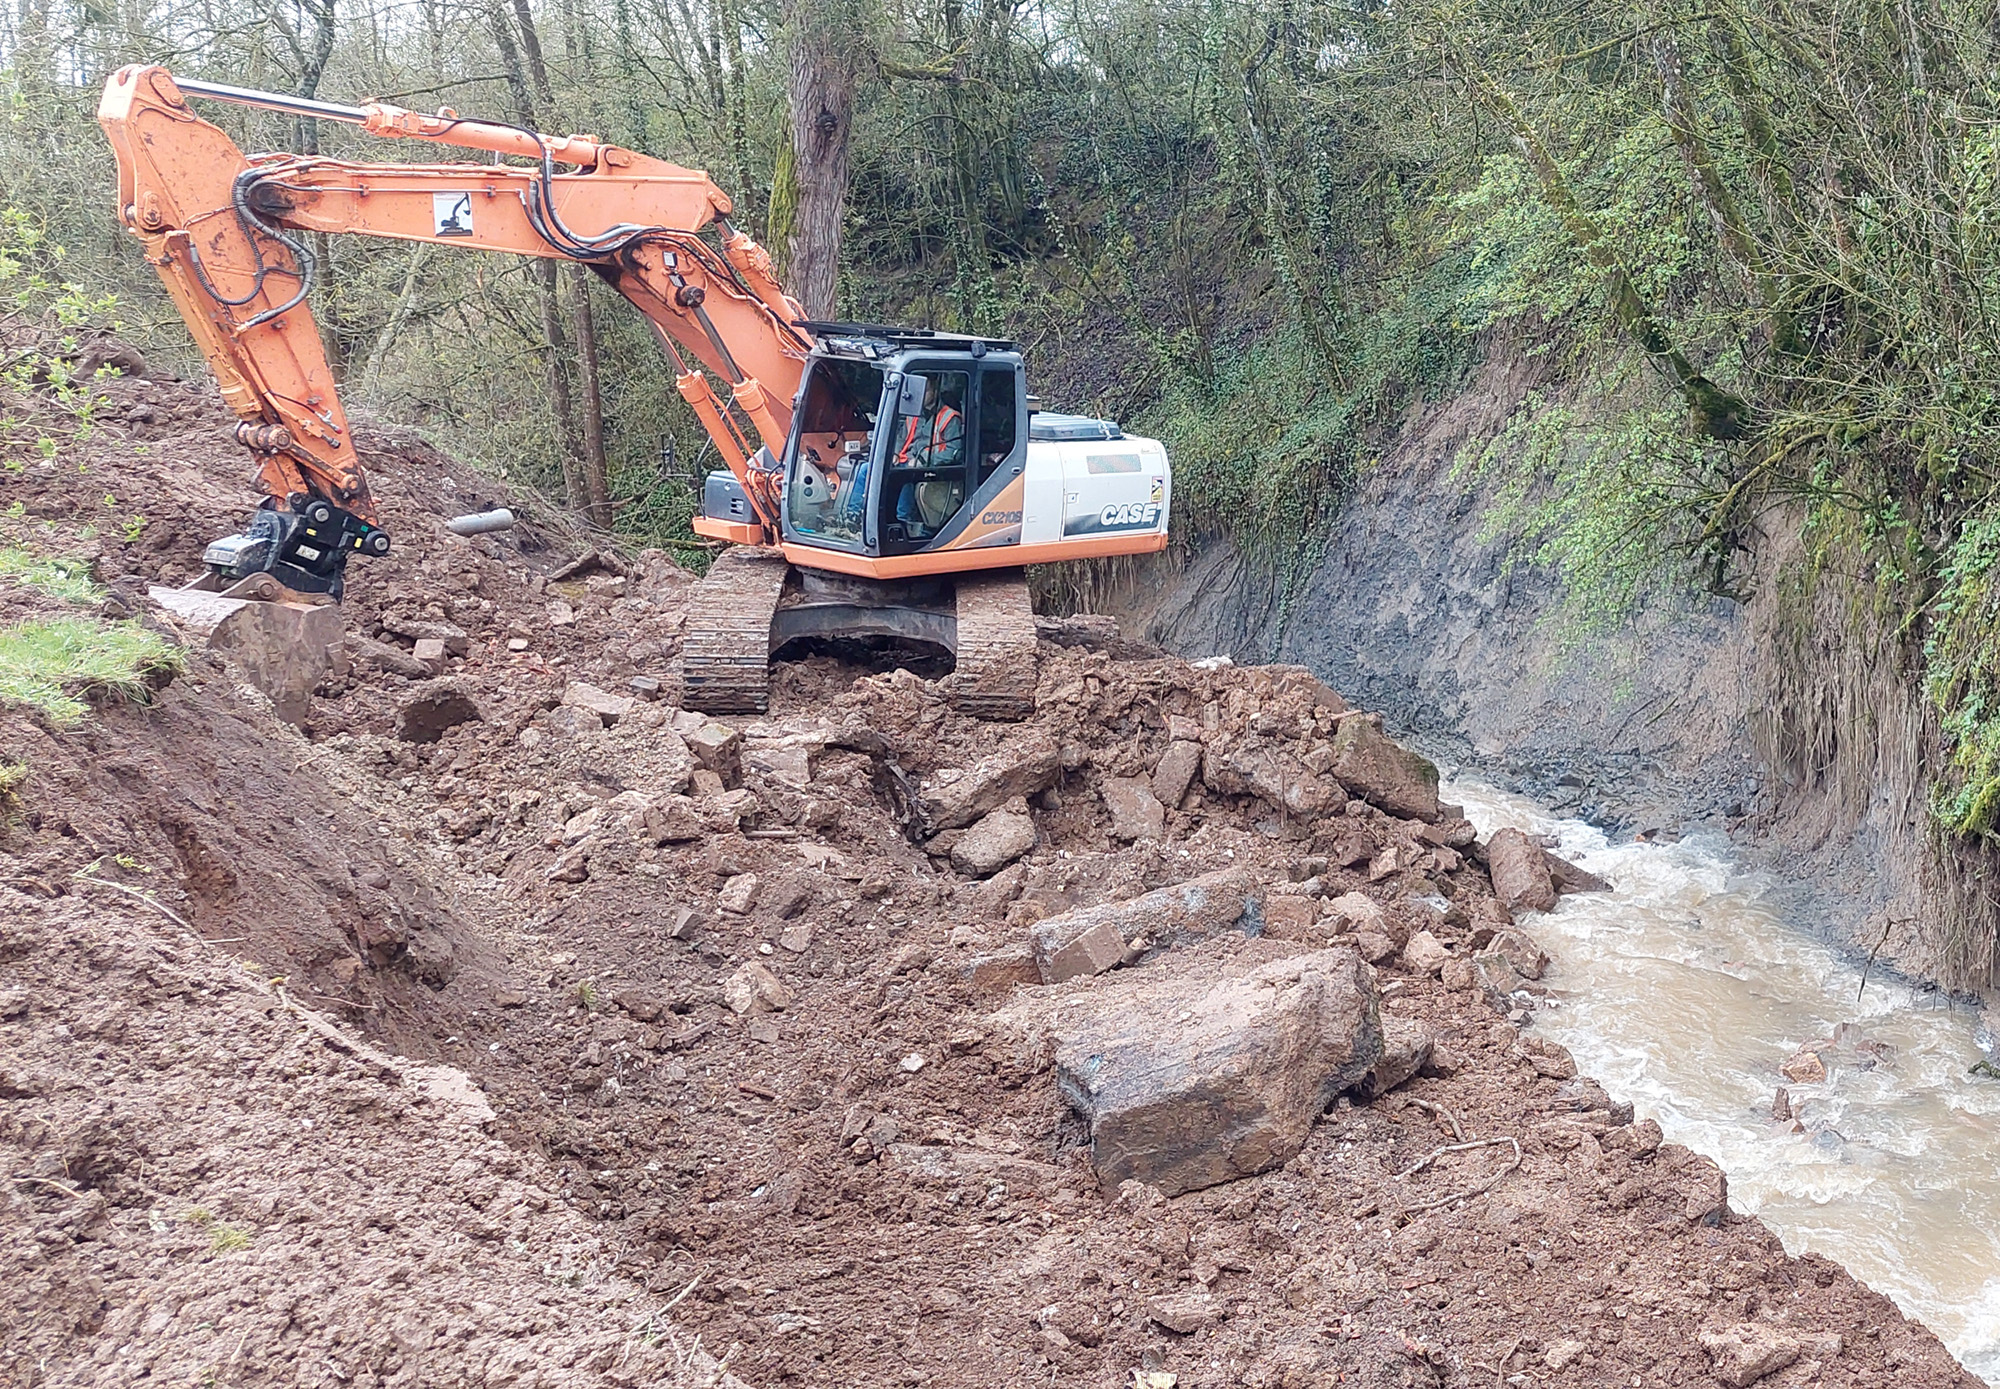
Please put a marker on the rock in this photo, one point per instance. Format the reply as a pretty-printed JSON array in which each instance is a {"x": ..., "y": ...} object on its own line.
[
  {"x": 1569, "y": 878},
  {"x": 1425, "y": 953},
  {"x": 718, "y": 748},
  {"x": 797, "y": 938},
  {"x": 1176, "y": 770},
  {"x": 1356, "y": 911},
  {"x": 1185, "y": 1313},
  {"x": 434, "y": 709},
  {"x": 785, "y": 761},
  {"x": 1091, "y": 631},
  {"x": 684, "y": 922},
  {"x": 608, "y": 707},
  {"x": 1028, "y": 762},
  {"x": 1373, "y": 766},
  {"x": 1747, "y": 1352},
  {"x": 705, "y": 783},
  {"x": 1374, "y": 946},
  {"x": 1135, "y": 812},
  {"x": 1562, "y": 1354},
  {"x": 571, "y": 866},
  {"x": 1080, "y": 941},
  {"x": 674, "y": 820},
  {"x": 1804, "y": 1067},
  {"x": 1550, "y": 1059},
  {"x": 1187, "y": 1079},
  {"x": 1406, "y": 1049},
  {"x": 1520, "y": 871},
  {"x": 644, "y": 687},
  {"x": 1001, "y": 971},
  {"x": 1245, "y": 767},
  {"x": 1292, "y": 918},
  {"x": 1074, "y": 944},
  {"x": 429, "y": 653},
  {"x": 1000, "y": 837},
  {"x": 753, "y": 988},
  {"x": 1781, "y": 1107},
  {"x": 1528, "y": 959},
  {"x": 639, "y": 1004},
  {"x": 417, "y": 629},
  {"x": 1707, "y": 1192},
  {"x": 393, "y": 659},
  {"x": 739, "y": 894}
]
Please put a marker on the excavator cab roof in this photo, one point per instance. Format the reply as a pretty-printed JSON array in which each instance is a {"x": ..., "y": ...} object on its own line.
[{"x": 874, "y": 340}]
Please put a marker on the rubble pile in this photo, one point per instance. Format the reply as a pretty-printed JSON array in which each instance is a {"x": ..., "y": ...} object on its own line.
[{"x": 1178, "y": 1034}]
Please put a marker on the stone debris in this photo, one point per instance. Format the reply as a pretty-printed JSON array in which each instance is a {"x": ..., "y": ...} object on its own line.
[
  {"x": 609, "y": 708},
  {"x": 1520, "y": 869},
  {"x": 994, "y": 841},
  {"x": 1382, "y": 772},
  {"x": 739, "y": 893},
  {"x": 754, "y": 988},
  {"x": 1803, "y": 1067},
  {"x": 1029, "y": 762},
  {"x": 1407, "y": 1044},
  {"x": 1424, "y": 953},
  {"x": 1185, "y": 1313},
  {"x": 1747, "y": 1352},
  {"x": 431, "y": 710},
  {"x": 1176, "y": 770},
  {"x": 1187, "y": 1079},
  {"x": 1090, "y": 940},
  {"x": 1136, "y": 813},
  {"x": 717, "y": 748}
]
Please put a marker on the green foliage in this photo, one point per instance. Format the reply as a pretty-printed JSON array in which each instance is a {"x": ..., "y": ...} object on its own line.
[
  {"x": 54, "y": 665},
  {"x": 66, "y": 579},
  {"x": 1962, "y": 678}
]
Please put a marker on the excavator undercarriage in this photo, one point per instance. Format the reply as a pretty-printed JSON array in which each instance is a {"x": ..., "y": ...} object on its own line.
[{"x": 753, "y": 605}]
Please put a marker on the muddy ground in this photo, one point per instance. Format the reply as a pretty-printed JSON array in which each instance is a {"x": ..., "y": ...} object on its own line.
[{"x": 335, "y": 1056}]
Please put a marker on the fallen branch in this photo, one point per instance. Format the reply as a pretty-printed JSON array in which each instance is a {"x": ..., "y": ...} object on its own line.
[
  {"x": 1457, "y": 1133},
  {"x": 70, "y": 1192},
  {"x": 1483, "y": 1187},
  {"x": 155, "y": 903}
]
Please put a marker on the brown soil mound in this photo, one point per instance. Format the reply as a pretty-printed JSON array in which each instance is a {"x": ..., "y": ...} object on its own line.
[{"x": 866, "y": 1185}]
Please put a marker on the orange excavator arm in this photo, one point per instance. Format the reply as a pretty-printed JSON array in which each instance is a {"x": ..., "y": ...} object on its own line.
[{"x": 218, "y": 226}]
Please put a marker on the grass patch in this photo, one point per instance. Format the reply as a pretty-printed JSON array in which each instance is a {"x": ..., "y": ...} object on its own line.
[
  {"x": 65, "y": 579},
  {"x": 51, "y": 665},
  {"x": 227, "y": 1239}
]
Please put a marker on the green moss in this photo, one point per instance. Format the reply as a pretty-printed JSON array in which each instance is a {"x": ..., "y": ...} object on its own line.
[{"x": 52, "y": 665}]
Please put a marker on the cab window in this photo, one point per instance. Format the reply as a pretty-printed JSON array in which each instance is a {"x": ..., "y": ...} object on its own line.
[
  {"x": 835, "y": 450},
  {"x": 996, "y": 419},
  {"x": 926, "y": 481}
]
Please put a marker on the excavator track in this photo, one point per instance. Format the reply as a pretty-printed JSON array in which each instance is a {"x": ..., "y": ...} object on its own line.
[
  {"x": 997, "y": 672},
  {"x": 726, "y": 644}
]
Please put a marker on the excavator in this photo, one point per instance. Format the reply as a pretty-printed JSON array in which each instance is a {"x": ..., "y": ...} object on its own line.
[{"x": 879, "y": 482}]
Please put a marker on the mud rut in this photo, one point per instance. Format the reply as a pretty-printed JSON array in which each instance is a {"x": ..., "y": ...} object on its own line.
[{"x": 863, "y": 1186}]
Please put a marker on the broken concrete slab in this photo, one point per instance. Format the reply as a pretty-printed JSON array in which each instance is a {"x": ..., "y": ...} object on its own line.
[
  {"x": 1187, "y": 1079},
  {"x": 1000, "y": 837},
  {"x": 1373, "y": 766},
  {"x": 717, "y": 747},
  {"x": 1136, "y": 813},
  {"x": 1030, "y": 761}
]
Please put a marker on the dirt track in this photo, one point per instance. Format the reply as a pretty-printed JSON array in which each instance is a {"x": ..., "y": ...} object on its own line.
[{"x": 510, "y": 901}]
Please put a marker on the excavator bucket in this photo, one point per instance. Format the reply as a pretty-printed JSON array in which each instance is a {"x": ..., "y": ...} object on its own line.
[{"x": 283, "y": 642}]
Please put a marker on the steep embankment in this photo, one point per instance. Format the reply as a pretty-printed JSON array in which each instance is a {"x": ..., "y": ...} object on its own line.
[
  {"x": 899, "y": 1046},
  {"x": 1775, "y": 718}
]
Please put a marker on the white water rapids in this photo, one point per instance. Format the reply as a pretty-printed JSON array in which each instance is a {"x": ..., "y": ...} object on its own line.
[{"x": 1684, "y": 990}]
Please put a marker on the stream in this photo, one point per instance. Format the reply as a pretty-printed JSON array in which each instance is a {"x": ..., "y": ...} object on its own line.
[{"x": 1684, "y": 991}]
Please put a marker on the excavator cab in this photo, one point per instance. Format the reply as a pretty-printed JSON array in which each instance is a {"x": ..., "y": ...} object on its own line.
[{"x": 899, "y": 440}]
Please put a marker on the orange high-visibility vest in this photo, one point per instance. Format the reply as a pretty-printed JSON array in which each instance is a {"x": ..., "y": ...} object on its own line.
[{"x": 944, "y": 416}]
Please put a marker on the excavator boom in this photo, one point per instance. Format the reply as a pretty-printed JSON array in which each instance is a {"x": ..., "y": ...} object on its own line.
[{"x": 221, "y": 228}]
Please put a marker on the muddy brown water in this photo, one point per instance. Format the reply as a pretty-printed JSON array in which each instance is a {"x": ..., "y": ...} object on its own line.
[{"x": 1684, "y": 991}]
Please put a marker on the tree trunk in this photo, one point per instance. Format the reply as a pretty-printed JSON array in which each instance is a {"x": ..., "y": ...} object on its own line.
[
  {"x": 596, "y": 478},
  {"x": 824, "y": 73}
]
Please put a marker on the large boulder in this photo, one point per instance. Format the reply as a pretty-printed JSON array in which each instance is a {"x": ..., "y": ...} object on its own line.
[
  {"x": 1178, "y": 766},
  {"x": 1244, "y": 766},
  {"x": 1189, "y": 1076},
  {"x": 1090, "y": 940},
  {"x": 1375, "y": 767},
  {"x": 1520, "y": 871},
  {"x": 1027, "y": 763}
]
